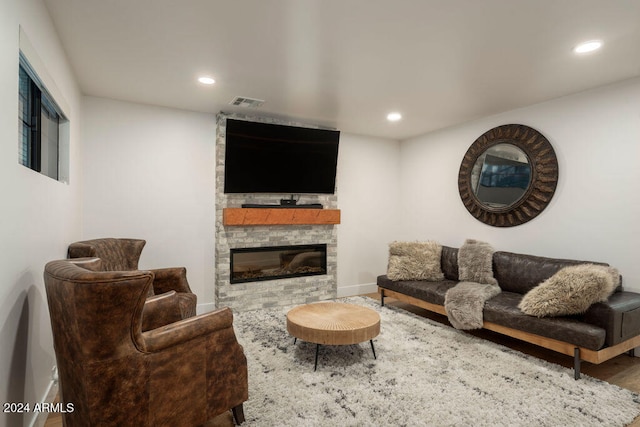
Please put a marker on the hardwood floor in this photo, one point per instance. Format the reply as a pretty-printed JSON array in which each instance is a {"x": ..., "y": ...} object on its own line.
[{"x": 623, "y": 371}]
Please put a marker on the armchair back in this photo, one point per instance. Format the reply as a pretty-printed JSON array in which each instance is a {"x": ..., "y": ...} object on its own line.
[
  {"x": 119, "y": 254},
  {"x": 116, "y": 254}
]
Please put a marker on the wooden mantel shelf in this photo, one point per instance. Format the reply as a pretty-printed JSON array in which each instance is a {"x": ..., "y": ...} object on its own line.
[{"x": 279, "y": 216}]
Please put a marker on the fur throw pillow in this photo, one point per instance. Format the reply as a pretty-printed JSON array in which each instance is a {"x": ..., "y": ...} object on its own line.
[
  {"x": 415, "y": 261},
  {"x": 475, "y": 262},
  {"x": 571, "y": 290}
]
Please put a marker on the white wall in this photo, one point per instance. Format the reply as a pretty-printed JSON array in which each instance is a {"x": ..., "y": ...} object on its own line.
[
  {"x": 150, "y": 174},
  {"x": 39, "y": 216},
  {"x": 594, "y": 212},
  {"x": 368, "y": 183}
]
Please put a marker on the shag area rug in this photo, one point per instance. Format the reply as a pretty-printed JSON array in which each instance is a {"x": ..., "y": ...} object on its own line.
[{"x": 426, "y": 374}]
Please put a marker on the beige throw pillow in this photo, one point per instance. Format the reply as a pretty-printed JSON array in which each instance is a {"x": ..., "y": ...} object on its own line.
[
  {"x": 415, "y": 261},
  {"x": 572, "y": 290}
]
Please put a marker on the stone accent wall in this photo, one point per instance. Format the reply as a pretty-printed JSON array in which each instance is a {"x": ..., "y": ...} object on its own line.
[{"x": 269, "y": 293}]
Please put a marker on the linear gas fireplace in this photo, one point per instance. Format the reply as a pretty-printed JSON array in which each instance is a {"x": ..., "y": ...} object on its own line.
[{"x": 277, "y": 262}]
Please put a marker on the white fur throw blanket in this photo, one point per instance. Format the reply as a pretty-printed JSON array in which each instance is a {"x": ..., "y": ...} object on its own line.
[{"x": 465, "y": 301}]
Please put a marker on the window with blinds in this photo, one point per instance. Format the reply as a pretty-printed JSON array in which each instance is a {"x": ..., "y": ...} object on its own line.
[{"x": 39, "y": 120}]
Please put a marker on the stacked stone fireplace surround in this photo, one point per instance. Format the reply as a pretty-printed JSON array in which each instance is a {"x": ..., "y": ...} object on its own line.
[{"x": 268, "y": 293}]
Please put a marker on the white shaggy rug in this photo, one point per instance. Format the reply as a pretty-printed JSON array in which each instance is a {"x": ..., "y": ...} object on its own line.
[{"x": 426, "y": 374}]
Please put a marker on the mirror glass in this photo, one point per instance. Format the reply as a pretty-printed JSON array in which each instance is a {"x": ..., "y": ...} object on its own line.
[{"x": 501, "y": 176}]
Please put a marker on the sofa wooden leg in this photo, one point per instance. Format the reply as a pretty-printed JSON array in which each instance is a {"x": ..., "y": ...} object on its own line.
[
  {"x": 238, "y": 414},
  {"x": 382, "y": 297},
  {"x": 576, "y": 363}
]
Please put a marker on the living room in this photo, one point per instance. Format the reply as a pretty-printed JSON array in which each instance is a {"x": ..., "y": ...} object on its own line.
[{"x": 148, "y": 171}]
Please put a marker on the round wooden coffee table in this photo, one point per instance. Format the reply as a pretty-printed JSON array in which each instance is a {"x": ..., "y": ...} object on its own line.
[{"x": 333, "y": 323}]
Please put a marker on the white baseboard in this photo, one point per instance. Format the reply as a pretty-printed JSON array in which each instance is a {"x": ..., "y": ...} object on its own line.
[
  {"x": 40, "y": 418},
  {"x": 364, "y": 288}
]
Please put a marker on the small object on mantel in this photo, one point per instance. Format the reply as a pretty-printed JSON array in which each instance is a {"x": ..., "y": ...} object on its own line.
[{"x": 276, "y": 216}]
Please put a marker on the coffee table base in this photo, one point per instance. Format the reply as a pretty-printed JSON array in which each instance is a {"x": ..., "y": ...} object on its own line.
[{"x": 315, "y": 366}]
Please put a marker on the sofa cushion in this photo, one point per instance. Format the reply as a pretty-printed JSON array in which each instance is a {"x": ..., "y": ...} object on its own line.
[
  {"x": 503, "y": 310},
  {"x": 415, "y": 261},
  {"x": 572, "y": 290},
  {"x": 432, "y": 292},
  {"x": 475, "y": 262}
]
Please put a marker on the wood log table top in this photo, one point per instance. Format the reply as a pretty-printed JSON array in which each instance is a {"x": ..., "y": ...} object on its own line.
[{"x": 333, "y": 323}]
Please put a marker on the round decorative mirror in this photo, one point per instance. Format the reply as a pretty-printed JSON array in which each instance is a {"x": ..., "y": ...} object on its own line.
[{"x": 508, "y": 175}]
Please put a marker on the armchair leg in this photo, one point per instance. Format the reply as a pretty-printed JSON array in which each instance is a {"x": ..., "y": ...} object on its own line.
[{"x": 238, "y": 414}]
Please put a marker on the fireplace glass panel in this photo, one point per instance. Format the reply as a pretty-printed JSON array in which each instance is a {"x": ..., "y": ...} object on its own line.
[{"x": 277, "y": 262}]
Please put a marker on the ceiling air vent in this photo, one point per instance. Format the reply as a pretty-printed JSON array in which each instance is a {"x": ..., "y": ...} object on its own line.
[{"x": 243, "y": 101}]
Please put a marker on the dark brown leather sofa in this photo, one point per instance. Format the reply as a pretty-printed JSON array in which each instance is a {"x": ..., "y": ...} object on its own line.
[
  {"x": 181, "y": 372},
  {"x": 606, "y": 330}
]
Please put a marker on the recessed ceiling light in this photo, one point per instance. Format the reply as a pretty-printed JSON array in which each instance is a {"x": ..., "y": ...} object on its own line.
[
  {"x": 586, "y": 47},
  {"x": 394, "y": 117},
  {"x": 206, "y": 80}
]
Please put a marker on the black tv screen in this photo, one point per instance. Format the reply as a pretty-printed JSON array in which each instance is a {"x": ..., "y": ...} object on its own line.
[{"x": 270, "y": 158}]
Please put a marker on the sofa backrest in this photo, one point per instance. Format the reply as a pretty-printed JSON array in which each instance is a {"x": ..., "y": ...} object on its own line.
[
  {"x": 514, "y": 272},
  {"x": 520, "y": 273},
  {"x": 449, "y": 262}
]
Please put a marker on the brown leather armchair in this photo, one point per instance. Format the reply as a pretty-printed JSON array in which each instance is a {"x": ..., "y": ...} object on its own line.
[
  {"x": 124, "y": 254},
  {"x": 181, "y": 374}
]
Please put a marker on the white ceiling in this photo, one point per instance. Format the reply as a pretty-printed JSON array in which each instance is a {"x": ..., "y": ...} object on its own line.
[{"x": 347, "y": 63}]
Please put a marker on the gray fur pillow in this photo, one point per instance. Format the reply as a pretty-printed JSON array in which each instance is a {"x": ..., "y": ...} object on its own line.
[
  {"x": 415, "y": 261},
  {"x": 572, "y": 290},
  {"x": 475, "y": 262}
]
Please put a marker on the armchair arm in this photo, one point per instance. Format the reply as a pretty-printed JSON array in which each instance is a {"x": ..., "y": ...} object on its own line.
[
  {"x": 170, "y": 279},
  {"x": 188, "y": 329},
  {"x": 160, "y": 310},
  {"x": 81, "y": 250}
]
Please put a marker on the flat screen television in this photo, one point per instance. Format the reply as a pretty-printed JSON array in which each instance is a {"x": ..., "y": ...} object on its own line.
[{"x": 271, "y": 158}]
